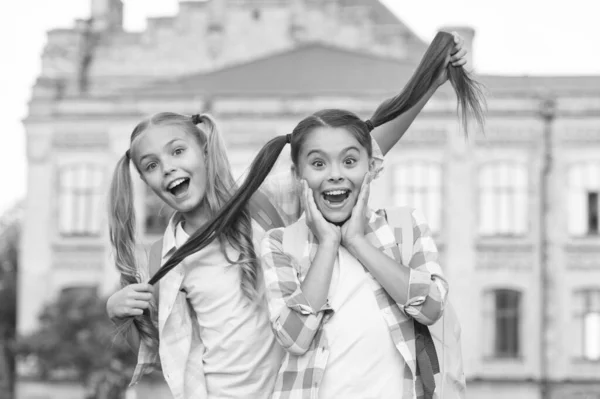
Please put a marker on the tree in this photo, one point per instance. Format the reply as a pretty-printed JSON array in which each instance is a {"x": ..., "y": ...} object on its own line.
[
  {"x": 10, "y": 228},
  {"x": 75, "y": 339}
]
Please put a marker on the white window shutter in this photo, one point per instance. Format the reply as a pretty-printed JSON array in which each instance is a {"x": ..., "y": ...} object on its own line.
[
  {"x": 591, "y": 324},
  {"x": 578, "y": 212},
  {"x": 577, "y": 201}
]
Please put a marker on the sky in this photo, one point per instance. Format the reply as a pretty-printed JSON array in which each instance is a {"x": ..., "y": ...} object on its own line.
[{"x": 513, "y": 37}]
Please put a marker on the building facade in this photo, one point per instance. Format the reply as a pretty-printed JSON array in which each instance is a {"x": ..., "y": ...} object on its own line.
[{"x": 515, "y": 211}]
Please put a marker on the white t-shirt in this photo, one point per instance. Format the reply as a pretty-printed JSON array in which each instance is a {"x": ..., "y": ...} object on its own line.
[
  {"x": 241, "y": 356},
  {"x": 363, "y": 361}
]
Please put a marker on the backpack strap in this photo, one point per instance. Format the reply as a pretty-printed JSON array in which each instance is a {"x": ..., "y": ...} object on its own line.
[
  {"x": 263, "y": 211},
  {"x": 400, "y": 219}
]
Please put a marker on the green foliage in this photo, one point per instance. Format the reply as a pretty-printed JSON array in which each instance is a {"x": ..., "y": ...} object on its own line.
[{"x": 75, "y": 338}]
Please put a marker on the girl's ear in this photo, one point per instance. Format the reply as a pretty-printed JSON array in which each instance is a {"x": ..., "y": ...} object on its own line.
[
  {"x": 372, "y": 165},
  {"x": 297, "y": 180},
  {"x": 294, "y": 171}
]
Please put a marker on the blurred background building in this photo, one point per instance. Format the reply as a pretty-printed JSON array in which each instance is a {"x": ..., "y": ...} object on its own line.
[{"x": 515, "y": 211}]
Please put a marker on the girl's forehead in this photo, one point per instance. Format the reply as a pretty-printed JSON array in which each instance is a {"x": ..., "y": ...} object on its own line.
[
  {"x": 330, "y": 140},
  {"x": 155, "y": 138}
]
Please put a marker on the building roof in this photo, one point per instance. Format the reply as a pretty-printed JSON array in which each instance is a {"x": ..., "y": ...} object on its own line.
[
  {"x": 563, "y": 85},
  {"x": 321, "y": 69},
  {"x": 312, "y": 69}
]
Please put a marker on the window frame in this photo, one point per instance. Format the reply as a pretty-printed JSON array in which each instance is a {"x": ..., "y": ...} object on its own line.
[
  {"x": 492, "y": 326},
  {"x": 90, "y": 197},
  {"x": 512, "y": 194},
  {"x": 425, "y": 191}
]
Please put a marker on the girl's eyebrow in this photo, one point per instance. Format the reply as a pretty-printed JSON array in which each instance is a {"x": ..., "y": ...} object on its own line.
[
  {"x": 314, "y": 151},
  {"x": 352, "y": 147},
  {"x": 165, "y": 146}
]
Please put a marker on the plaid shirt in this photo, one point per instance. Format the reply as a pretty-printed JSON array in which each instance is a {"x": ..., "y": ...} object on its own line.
[
  {"x": 297, "y": 326},
  {"x": 180, "y": 350}
]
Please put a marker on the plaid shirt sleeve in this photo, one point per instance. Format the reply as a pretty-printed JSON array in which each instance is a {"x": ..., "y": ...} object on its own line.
[
  {"x": 293, "y": 319},
  {"x": 427, "y": 288}
]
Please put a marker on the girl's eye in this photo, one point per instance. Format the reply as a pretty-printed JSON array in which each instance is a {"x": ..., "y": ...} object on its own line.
[
  {"x": 178, "y": 151},
  {"x": 318, "y": 164},
  {"x": 349, "y": 161},
  {"x": 151, "y": 166}
]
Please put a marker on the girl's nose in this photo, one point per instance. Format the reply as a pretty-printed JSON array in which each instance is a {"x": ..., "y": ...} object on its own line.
[
  {"x": 335, "y": 175},
  {"x": 168, "y": 169},
  {"x": 335, "y": 178}
]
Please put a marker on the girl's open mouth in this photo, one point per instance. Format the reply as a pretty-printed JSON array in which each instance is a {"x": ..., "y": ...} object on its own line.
[
  {"x": 179, "y": 186},
  {"x": 336, "y": 197}
]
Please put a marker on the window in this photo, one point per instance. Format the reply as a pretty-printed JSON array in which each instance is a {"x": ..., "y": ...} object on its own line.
[
  {"x": 584, "y": 197},
  {"x": 157, "y": 214},
  {"x": 81, "y": 200},
  {"x": 502, "y": 319},
  {"x": 419, "y": 184},
  {"x": 587, "y": 321},
  {"x": 503, "y": 199}
]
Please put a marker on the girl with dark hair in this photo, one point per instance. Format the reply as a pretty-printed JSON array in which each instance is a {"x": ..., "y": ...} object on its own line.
[{"x": 215, "y": 339}]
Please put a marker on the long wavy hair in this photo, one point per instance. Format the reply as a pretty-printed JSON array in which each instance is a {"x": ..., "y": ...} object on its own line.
[
  {"x": 219, "y": 189},
  {"x": 470, "y": 102}
]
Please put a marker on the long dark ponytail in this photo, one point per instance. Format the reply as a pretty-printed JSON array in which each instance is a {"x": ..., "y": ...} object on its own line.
[{"x": 470, "y": 101}]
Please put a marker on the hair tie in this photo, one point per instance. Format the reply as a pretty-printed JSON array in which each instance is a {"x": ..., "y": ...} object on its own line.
[
  {"x": 127, "y": 154},
  {"x": 369, "y": 124},
  {"x": 196, "y": 119},
  {"x": 288, "y": 138}
]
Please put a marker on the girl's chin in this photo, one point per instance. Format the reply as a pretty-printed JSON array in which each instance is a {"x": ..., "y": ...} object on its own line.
[
  {"x": 189, "y": 206},
  {"x": 337, "y": 218}
]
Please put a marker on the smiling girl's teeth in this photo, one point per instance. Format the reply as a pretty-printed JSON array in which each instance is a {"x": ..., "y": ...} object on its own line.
[
  {"x": 336, "y": 192},
  {"x": 175, "y": 183}
]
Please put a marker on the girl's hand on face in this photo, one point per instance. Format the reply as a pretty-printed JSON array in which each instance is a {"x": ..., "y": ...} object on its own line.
[
  {"x": 457, "y": 57},
  {"x": 325, "y": 232},
  {"x": 129, "y": 301},
  {"x": 354, "y": 228}
]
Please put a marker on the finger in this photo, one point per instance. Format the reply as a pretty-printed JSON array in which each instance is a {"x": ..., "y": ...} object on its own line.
[
  {"x": 311, "y": 201},
  {"x": 141, "y": 305},
  {"x": 135, "y": 312},
  {"x": 367, "y": 193},
  {"x": 308, "y": 209},
  {"x": 360, "y": 201},
  {"x": 303, "y": 195},
  {"x": 366, "y": 190},
  {"x": 456, "y": 49},
  {"x": 458, "y": 55},
  {"x": 458, "y": 39},
  {"x": 140, "y": 287},
  {"x": 315, "y": 212},
  {"x": 455, "y": 35},
  {"x": 141, "y": 296},
  {"x": 459, "y": 63},
  {"x": 135, "y": 304}
]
